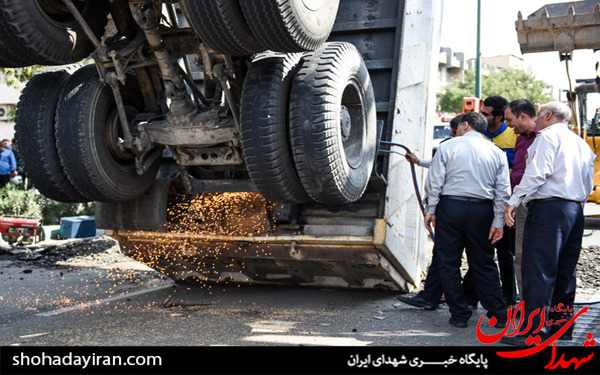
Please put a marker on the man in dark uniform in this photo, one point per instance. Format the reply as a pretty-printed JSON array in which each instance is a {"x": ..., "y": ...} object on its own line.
[
  {"x": 466, "y": 192},
  {"x": 431, "y": 295},
  {"x": 505, "y": 137}
]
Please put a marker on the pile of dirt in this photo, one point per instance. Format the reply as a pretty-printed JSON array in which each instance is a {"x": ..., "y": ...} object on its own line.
[{"x": 100, "y": 250}]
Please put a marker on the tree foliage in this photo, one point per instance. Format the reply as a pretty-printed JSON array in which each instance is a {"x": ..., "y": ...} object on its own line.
[
  {"x": 15, "y": 77},
  {"x": 511, "y": 84},
  {"x": 16, "y": 201}
]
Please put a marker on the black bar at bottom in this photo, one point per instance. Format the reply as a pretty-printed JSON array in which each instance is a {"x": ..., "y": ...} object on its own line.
[{"x": 293, "y": 360}]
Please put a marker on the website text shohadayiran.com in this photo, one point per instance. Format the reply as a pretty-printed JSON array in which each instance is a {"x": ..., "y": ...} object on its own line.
[{"x": 83, "y": 361}]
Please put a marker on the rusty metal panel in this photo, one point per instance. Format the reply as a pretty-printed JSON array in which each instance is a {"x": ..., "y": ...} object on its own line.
[{"x": 332, "y": 261}]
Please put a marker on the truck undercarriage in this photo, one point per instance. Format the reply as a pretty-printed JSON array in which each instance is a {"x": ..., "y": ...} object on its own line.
[{"x": 222, "y": 139}]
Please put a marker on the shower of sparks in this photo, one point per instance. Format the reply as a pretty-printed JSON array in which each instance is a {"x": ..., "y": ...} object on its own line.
[
  {"x": 210, "y": 214},
  {"x": 101, "y": 269}
]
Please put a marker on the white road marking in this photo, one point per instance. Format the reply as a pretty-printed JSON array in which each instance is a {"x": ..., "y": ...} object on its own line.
[
  {"x": 307, "y": 340},
  {"x": 101, "y": 301},
  {"x": 34, "y": 335}
]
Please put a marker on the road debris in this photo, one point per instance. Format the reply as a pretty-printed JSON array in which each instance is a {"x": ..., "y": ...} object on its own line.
[{"x": 168, "y": 303}]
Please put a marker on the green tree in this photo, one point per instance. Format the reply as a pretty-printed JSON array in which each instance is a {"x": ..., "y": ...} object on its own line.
[
  {"x": 511, "y": 84},
  {"x": 16, "y": 76},
  {"x": 15, "y": 201}
]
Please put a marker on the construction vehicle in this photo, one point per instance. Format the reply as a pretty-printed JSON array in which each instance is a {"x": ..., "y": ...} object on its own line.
[
  {"x": 565, "y": 27},
  {"x": 471, "y": 104},
  {"x": 235, "y": 140}
]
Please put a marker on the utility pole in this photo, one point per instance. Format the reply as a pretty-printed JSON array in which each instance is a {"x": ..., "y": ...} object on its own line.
[{"x": 478, "y": 57}]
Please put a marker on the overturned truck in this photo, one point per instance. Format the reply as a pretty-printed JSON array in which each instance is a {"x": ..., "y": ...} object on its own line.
[{"x": 234, "y": 139}]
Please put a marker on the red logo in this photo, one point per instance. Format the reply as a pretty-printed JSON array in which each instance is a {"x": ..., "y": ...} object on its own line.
[{"x": 516, "y": 319}]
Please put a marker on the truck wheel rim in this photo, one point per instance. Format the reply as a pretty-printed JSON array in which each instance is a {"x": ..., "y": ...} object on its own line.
[
  {"x": 113, "y": 133},
  {"x": 353, "y": 123},
  {"x": 313, "y": 4}
]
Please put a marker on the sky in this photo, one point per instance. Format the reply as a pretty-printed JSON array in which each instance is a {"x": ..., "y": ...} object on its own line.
[{"x": 499, "y": 37}]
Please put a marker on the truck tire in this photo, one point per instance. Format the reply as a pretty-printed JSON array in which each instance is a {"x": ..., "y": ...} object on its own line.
[
  {"x": 333, "y": 123},
  {"x": 9, "y": 59},
  {"x": 87, "y": 132},
  {"x": 221, "y": 25},
  {"x": 34, "y": 134},
  {"x": 290, "y": 25},
  {"x": 44, "y": 32},
  {"x": 265, "y": 131}
]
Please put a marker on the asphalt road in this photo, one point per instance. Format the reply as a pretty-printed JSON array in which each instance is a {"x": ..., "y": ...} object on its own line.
[
  {"x": 87, "y": 293},
  {"x": 94, "y": 302},
  {"x": 88, "y": 298},
  {"x": 124, "y": 307}
]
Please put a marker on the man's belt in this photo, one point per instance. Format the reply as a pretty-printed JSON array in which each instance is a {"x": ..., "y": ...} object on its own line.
[
  {"x": 551, "y": 199},
  {"x": 465, "y": 199}
]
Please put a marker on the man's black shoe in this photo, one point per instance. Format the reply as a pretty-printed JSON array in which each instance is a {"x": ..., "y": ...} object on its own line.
[
  {"x": 416, "y": 301},
  {"x": 510, "y": 301},
  {"x": 568, "y": 337},
  {"x": 501, "y": 321},
  {"x": 514, "y": 340},
  {"x": 457, "y": 324}
]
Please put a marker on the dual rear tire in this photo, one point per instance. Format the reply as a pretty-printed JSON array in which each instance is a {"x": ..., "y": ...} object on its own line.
[
  {"x": 308, "y": 121},
  {"x": 35, "y": 137},
  {"x": 67, "y": 128},
  {"x": 309, "y": 126},
  {"x": 245, "y": 27},
  {"x": 264, "y": 126},
  {"x": 44, "y": 32},
  {"x": 88, "y": 129}
]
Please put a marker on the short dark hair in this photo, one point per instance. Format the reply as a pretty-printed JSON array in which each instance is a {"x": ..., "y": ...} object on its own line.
[
  {"x": 498, "y": 103},
  {"x": 455, "y": 121},
  {"x": 522, "y": 106},
  {"x": 476, "y": 121}
]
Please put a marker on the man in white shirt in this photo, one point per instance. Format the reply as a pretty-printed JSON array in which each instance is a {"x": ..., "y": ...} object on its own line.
[
  {"x": 466, "y": 192},
  {"x": 425, "y": 163},
  {"x": 557, "y": 181}
]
